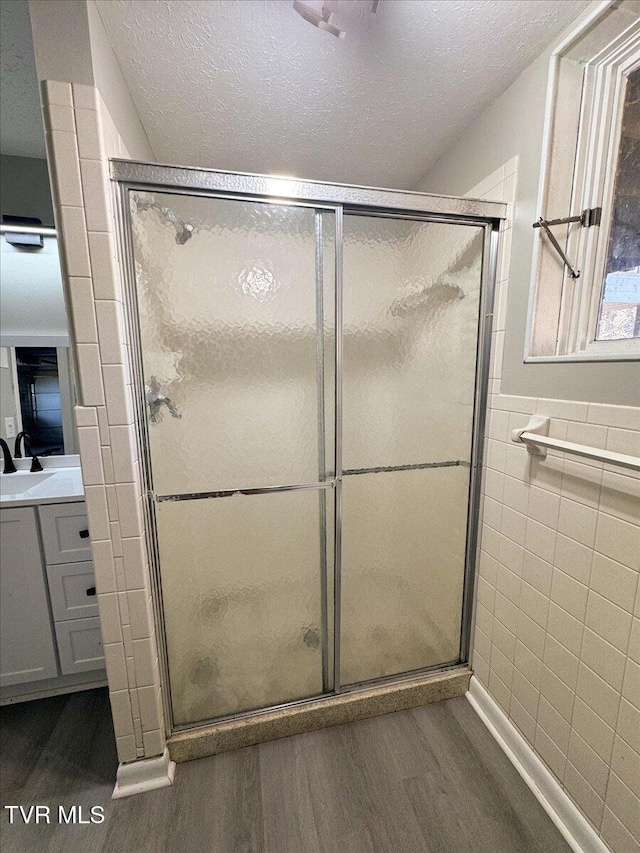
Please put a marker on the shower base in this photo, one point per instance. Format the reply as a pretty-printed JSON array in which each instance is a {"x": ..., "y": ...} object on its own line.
[{"x": 347, "y": 707}]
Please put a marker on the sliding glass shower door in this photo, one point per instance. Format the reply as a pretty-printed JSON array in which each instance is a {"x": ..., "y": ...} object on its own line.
[
  {"x": 411, "y": 306},
  {"x": 309, "y": 374},
  {"x": 236, "y": 305}
]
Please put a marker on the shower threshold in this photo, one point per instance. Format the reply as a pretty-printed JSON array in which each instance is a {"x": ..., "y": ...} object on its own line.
[{"x": 347, "y": 707}]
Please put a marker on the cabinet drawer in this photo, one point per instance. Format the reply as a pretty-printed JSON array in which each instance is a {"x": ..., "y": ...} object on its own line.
[
  {"x": 79, "y": 645},
  {"x": 72, "y": 588},
  {"x": 65, "y": 533}
]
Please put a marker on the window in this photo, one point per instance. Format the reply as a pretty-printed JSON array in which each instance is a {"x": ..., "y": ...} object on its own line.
[
  {"x": 591, "y": 162},
  {"x": 619, "y": 309}
]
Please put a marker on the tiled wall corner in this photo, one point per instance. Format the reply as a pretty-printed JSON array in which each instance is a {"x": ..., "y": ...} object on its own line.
[
  {"x": 81, "y": 136},
  {"x": 557, "y": 627}
]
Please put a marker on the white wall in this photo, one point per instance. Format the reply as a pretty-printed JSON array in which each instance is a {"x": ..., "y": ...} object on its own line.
[
  {"x": 106, "y": 433},
  {"x": 81, "y": 136},
  {"x": 71, "y": 44},
  {"x": 110, "y": 83},
  {"x": 32, "y": 298},
  {"x": 557, "y": 622},
  {"x": 61, "y": 40},
  {"x": 512, "y": 126},
  {"x": 30, "y": 279}
]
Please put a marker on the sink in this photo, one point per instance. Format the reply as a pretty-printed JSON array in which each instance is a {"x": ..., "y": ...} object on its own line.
[
  {"x": 21, "y": 482},
  {"x": 53, "y": 485}
]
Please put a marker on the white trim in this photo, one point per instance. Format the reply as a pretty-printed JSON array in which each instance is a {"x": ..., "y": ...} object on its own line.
[
  {"x": 622, "y": 349},
  {"x": 585, "y": 356},
  {"x": 67, "y": 385},
  {"x": 17, "y": 698},
  {"x": 594, "y": 186},
  {"x": 148, "y": 774},
  {"x": 587, "y": 21},
  {"x": 9, "y": 340},
  {"x": 574, "y": 827},
  {"x": 13, "y": 366}
]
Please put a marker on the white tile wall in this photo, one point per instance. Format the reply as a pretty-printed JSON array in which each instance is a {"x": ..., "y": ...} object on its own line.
[
  {"x": 81, "y": 136},
  {"x": 557, "y": 629}
]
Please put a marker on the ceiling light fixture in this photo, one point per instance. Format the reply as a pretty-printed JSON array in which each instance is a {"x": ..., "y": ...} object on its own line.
[{"x": 319, "y": 13}]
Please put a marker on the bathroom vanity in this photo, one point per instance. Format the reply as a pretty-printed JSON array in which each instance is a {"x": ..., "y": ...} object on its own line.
[{"x": 50, "y": 639}]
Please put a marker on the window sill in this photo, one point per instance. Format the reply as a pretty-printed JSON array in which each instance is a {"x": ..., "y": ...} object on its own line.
[{"x": 581, "y": 356}]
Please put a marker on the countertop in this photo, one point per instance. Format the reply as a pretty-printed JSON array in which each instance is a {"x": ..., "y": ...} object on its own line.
[{"x": 60, "y": 481}]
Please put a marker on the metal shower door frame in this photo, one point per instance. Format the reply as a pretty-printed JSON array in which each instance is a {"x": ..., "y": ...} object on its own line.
[{"x": 130, "y": 175}]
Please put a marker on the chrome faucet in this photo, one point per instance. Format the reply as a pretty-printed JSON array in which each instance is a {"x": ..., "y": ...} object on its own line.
[{"x": 9, "y": 467}]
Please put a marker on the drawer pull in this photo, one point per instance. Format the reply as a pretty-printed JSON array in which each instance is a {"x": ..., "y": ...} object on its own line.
[
  {"x": 83, "y": 534},
  {"x": 91, "y": 590}
]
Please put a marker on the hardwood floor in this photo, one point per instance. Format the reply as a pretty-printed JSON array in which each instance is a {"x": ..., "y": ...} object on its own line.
[{"x": 429, "y": 780}]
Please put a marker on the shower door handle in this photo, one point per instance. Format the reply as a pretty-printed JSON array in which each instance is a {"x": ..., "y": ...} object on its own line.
[{"x": 155, "y": 400}]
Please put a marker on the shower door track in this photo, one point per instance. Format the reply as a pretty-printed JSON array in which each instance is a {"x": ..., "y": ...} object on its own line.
[
  {"x": 337, "y": 198},
  {"x": 404, "y": 678}
]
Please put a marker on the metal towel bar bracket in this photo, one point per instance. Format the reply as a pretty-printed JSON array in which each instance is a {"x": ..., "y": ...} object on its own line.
[
  {"x": 535, "y": 435},
  {"x": 589, "y": 216}
]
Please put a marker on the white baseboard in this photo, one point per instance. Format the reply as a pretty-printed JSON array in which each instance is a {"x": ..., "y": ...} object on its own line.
[
  {"x": 136, "y": 777},
  {"x": 575, "y": 828}
]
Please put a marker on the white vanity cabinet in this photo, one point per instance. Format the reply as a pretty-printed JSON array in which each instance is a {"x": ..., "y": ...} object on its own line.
[
  {"x": 49, "y": 628},
  {"x": 27, "y": 649}
]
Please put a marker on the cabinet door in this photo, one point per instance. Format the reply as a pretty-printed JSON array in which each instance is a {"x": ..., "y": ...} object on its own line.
[
  {"x": 80, "y": 645},
  {"x": 65, "y": 533},
  {"x": 27, "y": 651}
]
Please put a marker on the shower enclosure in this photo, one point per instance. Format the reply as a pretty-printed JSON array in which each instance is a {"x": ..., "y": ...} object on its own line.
[{"x": 310, "y": 367}]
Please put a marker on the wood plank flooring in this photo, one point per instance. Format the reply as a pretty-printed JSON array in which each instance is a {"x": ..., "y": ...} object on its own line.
[{"x": 428, "y": 780}]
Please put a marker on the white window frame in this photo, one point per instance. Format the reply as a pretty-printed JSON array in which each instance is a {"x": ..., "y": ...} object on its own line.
[{"x": 593, "y": 161}]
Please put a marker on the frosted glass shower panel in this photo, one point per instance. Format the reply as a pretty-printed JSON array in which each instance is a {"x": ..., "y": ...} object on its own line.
[
  {"x": 236, "y": 303},
  {"x": 403, "y": 550},
  {"x": 243, "y": 601},
  {"x": 411, "y": 301},
  {"x": 411, "y": 311}
]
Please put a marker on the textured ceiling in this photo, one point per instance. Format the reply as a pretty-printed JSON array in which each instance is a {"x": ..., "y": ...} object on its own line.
[
  {"x": 21, "y": 132},
  {"x": 248, "y": 85}
]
